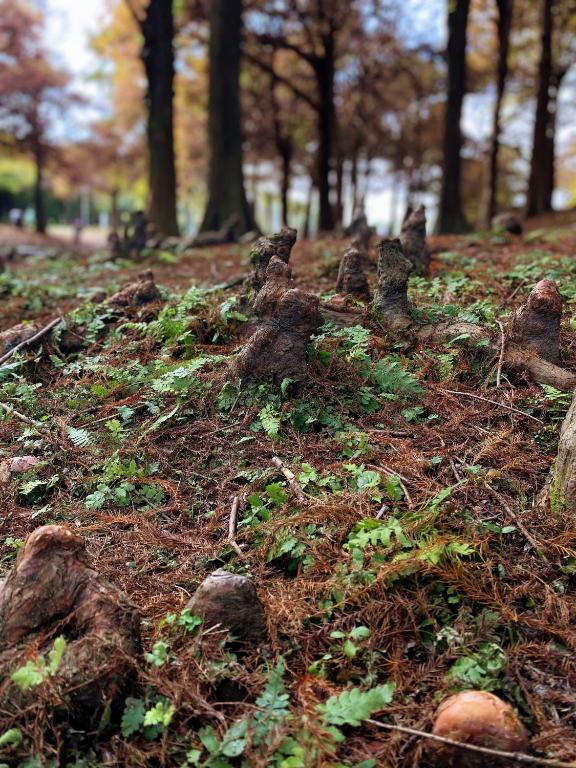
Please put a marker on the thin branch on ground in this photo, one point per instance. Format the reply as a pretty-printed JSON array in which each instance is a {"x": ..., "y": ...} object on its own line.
[
  {"x": 502, "y": 351},
  {"x": 492, "y": 402},
  {"x": 519, "y": 757},
  {"x": 291, "y": 478},
  {"x": 26, "y": 419}
]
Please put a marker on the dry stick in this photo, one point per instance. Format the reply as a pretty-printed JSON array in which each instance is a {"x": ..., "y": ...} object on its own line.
[
  {"x": 26, "y": 419},
  {"x": 492, "y": 402},
  {"x": 519, "y": 757},
  {"x": 502, "y": 350},
  {"x": 290, "y": 477},
  {"x": 31, "y": 340},
  {"x": 232, "y": 525},
  {"x": 537, "y": 547}
]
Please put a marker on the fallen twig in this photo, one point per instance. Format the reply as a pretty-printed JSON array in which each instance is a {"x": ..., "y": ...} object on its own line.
[
  {"x": 290, "y": 477},
  {"x": 528, "y": 536},
  {"x": 519, "y": 757},
  {"x": 502, "y": 350},
  {"x": 492, "y": 402},
  {"x": 31, "y": 340},
  {"x": 232, "y": 526},
  {"x": 26, "y": 419}
]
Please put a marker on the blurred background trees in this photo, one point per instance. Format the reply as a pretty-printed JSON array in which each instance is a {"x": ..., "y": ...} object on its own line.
[{"x": 293, "y": 111}]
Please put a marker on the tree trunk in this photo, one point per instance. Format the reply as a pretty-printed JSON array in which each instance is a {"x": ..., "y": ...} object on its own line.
[
  {"x": 451, "y": 217},
  {"x": 354, "y": 181},
  {"x": 325, "y": 72},
  {"x": 339, "y": 213},
  {"x": 285, "y": 151},
  {"x": 226, "y": 193},
  {"x": 114, "y": 213},
  {"x": 39, "y": 202},
  {"x": 158, "y": 57},
  {"x": 539, "y": 197},
  {"x": 505, "y": 10}
]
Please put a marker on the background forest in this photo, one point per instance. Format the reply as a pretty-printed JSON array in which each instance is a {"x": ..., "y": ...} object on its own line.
[{"x": 296, "y": 112}]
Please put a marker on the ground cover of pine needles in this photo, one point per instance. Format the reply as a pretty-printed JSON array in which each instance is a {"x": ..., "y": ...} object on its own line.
[{"x": 416, "y": 562}]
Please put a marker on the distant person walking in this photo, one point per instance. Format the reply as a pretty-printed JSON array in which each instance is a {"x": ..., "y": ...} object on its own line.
[{"x": 16, "y": 217}]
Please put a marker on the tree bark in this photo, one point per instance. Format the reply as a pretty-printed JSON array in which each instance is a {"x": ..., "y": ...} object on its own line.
[
  {"x": 39, "y": 202},
  {"x": 505, "y": 10},
  {"x": 451, "y": 218},
  {"x": 158, "y": 58},
  {"x": 562, "y": 492},
  {"x": 539, "y": 196},
  {"x": 285, "y": 149},
  {"x": 325, "y": 72},
  {"x": 226, "y": 192}
]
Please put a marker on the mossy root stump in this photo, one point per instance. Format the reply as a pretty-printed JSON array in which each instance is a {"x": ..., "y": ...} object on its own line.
[
  {"x": 284, "y": 318},
  {"x": 138, "y": 293},
  {"x": 413, "y": 239},
  {"x": 279, "y": 245},
  {"x": 53, "y": 592},
  {"x": 534, "y": 330},
  {"x": 536, "y": 324},
  {"x": 390, "y": 304},
  {"x": 351, "y": 278},
  {"x": 228, "y": 602}
]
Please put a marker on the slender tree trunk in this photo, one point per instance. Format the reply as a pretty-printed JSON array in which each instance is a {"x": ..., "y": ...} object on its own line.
[
  {"x": 39, "y": 201},
  {"x": 325, "y": 72},
  {"x": 226, "y": 192},
  {"x": 339, "y": 212},
  {"x": 354, "y": 180},
  {"x": 505, "y": 10},
  {"x": 158, "y": 57},
  {"x": 451, "y": 218},
  {"x": 540, "y": 185},
  {"x": 285, "y": 149},
  {"x": 308, "y": 213},
  {"x": 114, "y": 213}
]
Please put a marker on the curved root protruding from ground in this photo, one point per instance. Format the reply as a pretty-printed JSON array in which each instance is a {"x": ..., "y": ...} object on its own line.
[
  {"x": 54, "y": 592},
  {"x": 413, "y": 239},
  {"x": 536, "y": 324},
  {"x": 351, "y": 278},
  {"x": 285, "y": 319},
  {"x": 279, "y": 245}
]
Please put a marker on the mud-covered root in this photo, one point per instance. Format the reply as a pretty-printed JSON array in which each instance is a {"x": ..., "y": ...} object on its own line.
[
  {"x": 54, "y": 592},
  {"x": 137, "y": 294},
  {"x": 284, "y": 319},
  {"x": 228, "y": 602},
  {"x": 351, "y": 278},
  {"x": 280, "y": 245},
  {"x": 535, "y": 325},
  {"x": 390, "y": 304},
  {"x": 413, "y": 239},
  {"x": 16, "y": 335}
]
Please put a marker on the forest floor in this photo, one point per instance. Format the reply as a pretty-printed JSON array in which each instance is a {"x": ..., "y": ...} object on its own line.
[{"x": 413, "y": 553}]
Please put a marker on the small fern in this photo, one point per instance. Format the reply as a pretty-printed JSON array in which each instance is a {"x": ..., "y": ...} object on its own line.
[
  {"x": 270, "y": 420},
  {"x": 391, "y": 379},
  {"x": 353, "y": 706},
  {"x": 81, "y": 438}
]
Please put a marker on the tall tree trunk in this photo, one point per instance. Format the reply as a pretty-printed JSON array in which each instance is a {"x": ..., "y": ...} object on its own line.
[
  {"x": 505, "y": 11},
  {"x": 451, "y": 217},
  {"x": 325, "y": 72},
  {"x": 158, "y": 57},
  {"x": 354, "y": 180},
  {"x": 226, "y": 192},
  {"x": 285, "y": 149},
  {"x": 39, "y": 201},
  {"x": 339, "y": 211},
  {"x": 539, "y": 196}
]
